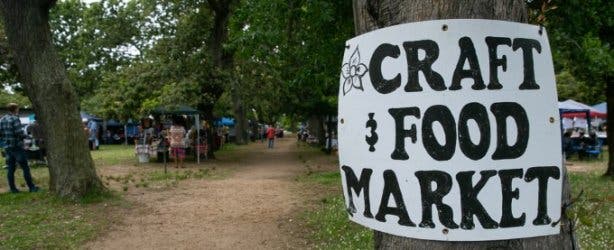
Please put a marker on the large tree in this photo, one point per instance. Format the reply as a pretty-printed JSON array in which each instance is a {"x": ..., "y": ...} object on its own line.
[
  {"x": 71, "y": 169},
  {"x": 223, "y": 61},
  {"x": 370, "y": 15}
]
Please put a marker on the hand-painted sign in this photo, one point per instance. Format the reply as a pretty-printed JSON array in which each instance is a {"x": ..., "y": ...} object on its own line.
[{"x": 448, "y": 130}]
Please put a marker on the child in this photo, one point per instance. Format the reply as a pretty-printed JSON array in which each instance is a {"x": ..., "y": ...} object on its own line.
[{"x": 176, "y": 135}]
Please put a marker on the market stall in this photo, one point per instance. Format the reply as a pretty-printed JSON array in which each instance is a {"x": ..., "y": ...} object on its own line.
[{"x": 188, "y": 111}]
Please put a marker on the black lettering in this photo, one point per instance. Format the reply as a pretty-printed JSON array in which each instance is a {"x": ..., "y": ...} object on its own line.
[
  {"x": 542, "y": 174},
  {"x": 391, "y": 187},
  {"x": 467, "y": 53},
  {"x": 375, "y": 68},
  {"x": 401, "y": 133},
  {"x": 527, "y": 46},
  {"x": 358, "y": 186},
  {"x": 414, "y": 65},
  {"x": 495, "y": 61},
  {"x": 508, "y": 194},
  {"x": 470, "y": 205},
  {"x": 429, "y": 197},
  {"x": 478, "y": 113},
  {"x": 441, "y": 114},
  {"x": 502, "y": 110}
]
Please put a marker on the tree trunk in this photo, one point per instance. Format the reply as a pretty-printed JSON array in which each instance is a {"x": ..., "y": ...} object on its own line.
[
  {"x": 207, "y": 114},
  {"x": 223, "y": 60},
  {"x": 71, "y": 169},
  {"x": 316, "y": 128},
  {"x": 610, "y": 131},
  {"x": 240, "y": 117},
  {"x": 219, "y": 35},
  {"x": 373, "y": 14}
]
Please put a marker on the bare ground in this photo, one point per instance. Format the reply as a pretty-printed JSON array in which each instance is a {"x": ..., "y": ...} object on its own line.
[{"x": 254, "y": 208}]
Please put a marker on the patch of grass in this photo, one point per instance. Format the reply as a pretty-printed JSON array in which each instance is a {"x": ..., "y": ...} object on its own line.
[
  {"x": 228, "y": 147},
  {"x": 39, "y": 220},
  {"x": 39, "y": 175},
  {"x": 593, "y": 210},
  {"x": 99, "y": 197},
  {"x": 331, "y": 228},
  {"x": 324, "y": 178},
  {"x": 178, "y": 175},
  {"x": 329, "y": 224},
  {"x": 159, "y": 178},
  {"x": 42, "y": 221},
  {"x": 109, "y": 155}
]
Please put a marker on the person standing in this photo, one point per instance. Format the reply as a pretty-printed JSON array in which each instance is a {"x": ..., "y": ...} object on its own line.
[
  {"x": 261, "y": 134},
  {"x": 226, "y": 132},
  {"x": 92, "y": 127},
  {"x": 38, "y": 137},
  {"x": 177, "y": 141},
  {"x": 148, "y": 131},
  {"x": 270, "y": 135},
  {"x": 10, "y": 130},
  {"x": 221, "y": 137}
]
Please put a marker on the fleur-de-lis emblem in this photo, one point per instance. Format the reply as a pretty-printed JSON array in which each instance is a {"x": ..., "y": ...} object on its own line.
[{"x": 352, "y": 72}]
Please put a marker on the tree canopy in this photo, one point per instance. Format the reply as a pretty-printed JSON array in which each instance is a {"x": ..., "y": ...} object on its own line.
[
  {"x": 580, "y": 33},
  {"x": 126, "y": 57}
]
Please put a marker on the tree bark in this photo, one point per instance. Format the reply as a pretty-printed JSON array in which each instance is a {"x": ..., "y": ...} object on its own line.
[
  {"x": 240, "y": 117},
  {"x": 316, "y": 128},
  {"x": 207, "y": 113},
  {"x": 374, "y": 14},
  {"x": 219, "y": 35},
  {"x": 71, "y": 169},
  {"x": 610, "y": 132}
]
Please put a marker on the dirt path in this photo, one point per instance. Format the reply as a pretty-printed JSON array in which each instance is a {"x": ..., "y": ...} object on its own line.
[{"x": 251, "y": 209}]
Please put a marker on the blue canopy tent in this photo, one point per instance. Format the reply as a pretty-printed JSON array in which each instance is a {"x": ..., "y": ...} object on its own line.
[
  {"x": 571, "y": 107},
  {"x": 225, "y": 121},
  {"x": 574, "y": 105},
  {"x": 131, "y": 130},
  {"x": 601, "y": 107},
  {"x": 114, "y": 129}
]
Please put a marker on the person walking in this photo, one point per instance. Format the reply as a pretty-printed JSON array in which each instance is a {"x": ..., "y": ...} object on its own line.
[
  {"x": 11, "y": 133},
  {"x": 177, "y": 141},
  {"x": 270, "y": 135}
]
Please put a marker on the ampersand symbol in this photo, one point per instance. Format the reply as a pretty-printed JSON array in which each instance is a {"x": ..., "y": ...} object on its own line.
[{"x": 371, "y": 140}]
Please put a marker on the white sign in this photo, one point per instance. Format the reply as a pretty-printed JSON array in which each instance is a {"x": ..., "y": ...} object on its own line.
[{"x": 449, "y": 130}]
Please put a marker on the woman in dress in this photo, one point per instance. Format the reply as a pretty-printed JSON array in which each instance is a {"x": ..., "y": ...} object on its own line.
[{"x": 177, "y": 135}]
